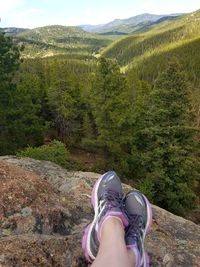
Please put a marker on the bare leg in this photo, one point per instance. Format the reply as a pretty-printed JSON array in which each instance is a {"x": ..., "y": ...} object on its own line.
[
  {"x": 131, "y": 257},
  {"x": 112, "y": 251}
]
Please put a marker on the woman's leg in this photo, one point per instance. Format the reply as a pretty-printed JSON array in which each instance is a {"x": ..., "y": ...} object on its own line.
[
  {"x": 104, "y": 239},
  {"x": 112, "y": 250}
]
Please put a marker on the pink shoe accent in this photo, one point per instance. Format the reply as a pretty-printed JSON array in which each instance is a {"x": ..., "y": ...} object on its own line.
[
  {"x": 149, "y": 223},
  {"x": 84, "y": 243},
  {"x": 147, "y": 260},
  {"x": 93, "y": 200},
  {"x": 137, "y": 255}
]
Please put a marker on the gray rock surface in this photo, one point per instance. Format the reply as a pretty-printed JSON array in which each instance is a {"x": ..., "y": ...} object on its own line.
[{"x": 44, "y": 209}]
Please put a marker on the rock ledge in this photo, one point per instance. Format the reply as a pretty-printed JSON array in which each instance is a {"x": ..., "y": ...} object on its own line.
[{"x": 44, "y": 209}]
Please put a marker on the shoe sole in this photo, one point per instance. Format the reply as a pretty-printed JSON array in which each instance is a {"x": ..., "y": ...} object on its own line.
[
  {"x": 87, "y": 233},
  {"x": 84, "y": 243},
  {"x": 147, "y": 229},
  {"x": 147, "y": 259}
]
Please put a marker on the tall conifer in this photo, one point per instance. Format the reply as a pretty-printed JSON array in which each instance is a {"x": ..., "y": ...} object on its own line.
[
  {"x": 111, "y": 111},
  {"x": 167, "y": 144}
]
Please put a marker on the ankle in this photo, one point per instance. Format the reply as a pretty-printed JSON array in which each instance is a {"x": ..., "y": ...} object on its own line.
[
  {"x": 112, "y": 223},
  {"x": 134, "y": 257}
]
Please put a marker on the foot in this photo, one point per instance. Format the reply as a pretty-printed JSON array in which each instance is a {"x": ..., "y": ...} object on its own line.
[
  {"x": 107, "y": 202},
  {"x": 139, "y": 213}
]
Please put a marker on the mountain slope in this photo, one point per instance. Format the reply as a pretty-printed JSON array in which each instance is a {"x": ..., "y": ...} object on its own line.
[
  {"x": 164, "y": 37},
  {"x": 130, "y": 25},
  {"x": 56, "y": 39},
  {"x": 148, "y": 54}
]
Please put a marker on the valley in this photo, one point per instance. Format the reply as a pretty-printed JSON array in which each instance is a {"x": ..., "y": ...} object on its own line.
[{"x": 123, "y": 95}]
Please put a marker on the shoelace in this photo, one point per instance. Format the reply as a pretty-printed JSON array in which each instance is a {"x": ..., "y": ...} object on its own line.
[
  {"x": 111, "y": 199},
  {"x": 135, "y": 225}
]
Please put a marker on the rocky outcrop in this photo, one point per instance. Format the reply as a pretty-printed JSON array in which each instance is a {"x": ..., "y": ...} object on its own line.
[{"x": 44, "y": 209}]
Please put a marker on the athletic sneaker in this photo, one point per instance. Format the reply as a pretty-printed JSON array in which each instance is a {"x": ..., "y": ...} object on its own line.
[
  {"x": 139, "y": 214},
  {"x": 107, "y": 201}
]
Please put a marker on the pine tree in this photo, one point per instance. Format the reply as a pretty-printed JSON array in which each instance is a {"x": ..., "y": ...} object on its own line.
[
  {"x": 166, "y": 144},
  {"x": 30, "y": 124},
  {"x": 20, "y": 124},
  {"x": 66, "y": 103},
  {"x": 111, "y": 111},
  {"x": 9, "y": 62}
]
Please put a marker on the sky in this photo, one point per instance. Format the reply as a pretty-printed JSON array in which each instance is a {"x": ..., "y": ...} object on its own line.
[{"x": 36, "y": 13}]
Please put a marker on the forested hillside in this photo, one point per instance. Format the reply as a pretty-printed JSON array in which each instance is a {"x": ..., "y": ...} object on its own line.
[
  {"x": 56, "y": 39},
  {"x": 129, "y": 107},
  {"x": 149, "y": 52}
]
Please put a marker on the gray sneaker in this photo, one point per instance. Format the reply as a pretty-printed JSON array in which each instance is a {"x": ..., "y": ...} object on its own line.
[
  {"x": 107, "y": 200},
  {"x": 139, "y": 213}
]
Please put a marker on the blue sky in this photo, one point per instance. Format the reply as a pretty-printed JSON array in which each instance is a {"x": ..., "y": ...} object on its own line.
[{"x": 35, "y": 13}]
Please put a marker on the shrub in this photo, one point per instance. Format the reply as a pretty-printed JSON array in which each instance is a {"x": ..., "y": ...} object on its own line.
[{"x": 54, "y": 151}]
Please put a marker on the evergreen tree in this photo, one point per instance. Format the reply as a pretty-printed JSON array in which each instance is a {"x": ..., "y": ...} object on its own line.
[
  {"x": 65, "y": 100},
  {"x": 9, "y": 62},
  {"x": 19, "y": 122},
  {"x": 111, "y": 111},
  {"x": 138, "y": 95},
  {"x": 166, "y": 144},
  {"x": 88, "y": 133},
  {"x": 30, "y": 124}
]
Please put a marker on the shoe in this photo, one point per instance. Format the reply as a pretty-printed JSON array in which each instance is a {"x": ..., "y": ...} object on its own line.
[
  {"x": 139, "y": 213},
  {"x": 107, "y": 201}
]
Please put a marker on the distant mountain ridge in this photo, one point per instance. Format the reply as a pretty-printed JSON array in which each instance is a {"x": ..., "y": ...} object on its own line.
[
  {"x": 86, "y": 40},
  {"x": 12, "y": 31},
  {"x": 128, "y": 25},
  {"x": 115, "y": 27}
]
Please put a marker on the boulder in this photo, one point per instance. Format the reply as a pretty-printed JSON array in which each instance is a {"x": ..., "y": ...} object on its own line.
[{"x": 44, "y": 210}]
